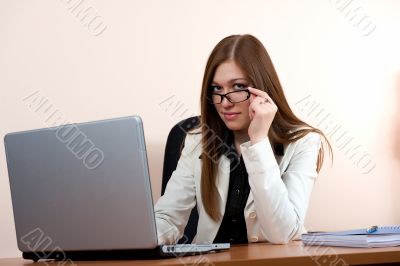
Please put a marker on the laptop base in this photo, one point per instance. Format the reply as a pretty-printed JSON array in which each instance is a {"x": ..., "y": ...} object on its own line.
[
  {"x": 99, "y": 255},
  {"x": 166, "y": 251}
]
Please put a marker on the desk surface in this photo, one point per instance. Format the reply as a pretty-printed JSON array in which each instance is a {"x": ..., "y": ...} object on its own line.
[{"x": 257, "y": 254}]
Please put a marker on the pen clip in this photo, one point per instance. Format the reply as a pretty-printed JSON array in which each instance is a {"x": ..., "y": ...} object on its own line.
[{"x": 372, "y": 229}]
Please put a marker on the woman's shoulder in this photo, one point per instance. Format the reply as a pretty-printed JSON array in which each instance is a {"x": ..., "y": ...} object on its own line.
[
  {"x": 310, "y": 139},
  {"x": 311, "y": 136},
  {"x": 194, "y": 134},
  {"x": 193, "y": 140}
]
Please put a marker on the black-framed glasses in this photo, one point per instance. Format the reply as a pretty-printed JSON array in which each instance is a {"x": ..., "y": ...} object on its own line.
[{"x": 233, "y": 96}]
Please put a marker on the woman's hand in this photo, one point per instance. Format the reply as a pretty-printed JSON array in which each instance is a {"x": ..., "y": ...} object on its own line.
[{"x": 262, "y": 111}]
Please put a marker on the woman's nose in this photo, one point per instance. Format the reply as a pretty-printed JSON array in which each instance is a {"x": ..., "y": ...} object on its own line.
[{"x": 226, "y": 103}]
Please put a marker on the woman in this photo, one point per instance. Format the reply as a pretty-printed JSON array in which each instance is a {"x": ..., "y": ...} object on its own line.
[{"x": 251, "y": 164}]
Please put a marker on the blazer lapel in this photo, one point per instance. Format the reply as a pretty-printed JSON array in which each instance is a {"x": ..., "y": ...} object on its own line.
[
  {"x": 222, "y": 181},
  {"x": 249, "y": 204}
]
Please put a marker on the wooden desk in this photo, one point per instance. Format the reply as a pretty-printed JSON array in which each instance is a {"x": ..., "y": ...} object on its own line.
[{"x": 293, "y": 253}]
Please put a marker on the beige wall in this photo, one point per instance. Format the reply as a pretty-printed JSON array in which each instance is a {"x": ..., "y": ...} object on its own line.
[{"x": 140, "y": 56}]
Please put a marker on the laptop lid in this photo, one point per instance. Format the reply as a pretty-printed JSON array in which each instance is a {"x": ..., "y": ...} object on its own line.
[{"x": 81, "y": 187}]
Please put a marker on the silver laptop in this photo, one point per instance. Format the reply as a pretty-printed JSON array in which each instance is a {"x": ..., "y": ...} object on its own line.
[{"x": 84, "y": 189}]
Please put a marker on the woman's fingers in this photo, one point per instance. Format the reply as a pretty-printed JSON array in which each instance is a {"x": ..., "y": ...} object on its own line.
[
  {"x": 251, "y": 111},
  {"x": 262, "y": 111},
  {"x": 259, "y": 93},
  {"x": 256, "y": 93},
  {"x": 261, "y": 104}
]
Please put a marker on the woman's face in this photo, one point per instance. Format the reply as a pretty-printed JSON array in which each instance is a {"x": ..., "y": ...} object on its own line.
[{"x": 229, "y": 78}]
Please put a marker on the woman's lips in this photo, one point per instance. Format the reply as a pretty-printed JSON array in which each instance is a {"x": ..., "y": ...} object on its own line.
[{"x": 230, "y": 115}]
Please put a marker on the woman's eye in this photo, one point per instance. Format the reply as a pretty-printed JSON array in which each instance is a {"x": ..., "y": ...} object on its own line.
[
  {"x": 239, "y": 86},
  {"x": 215, "y": 88}
]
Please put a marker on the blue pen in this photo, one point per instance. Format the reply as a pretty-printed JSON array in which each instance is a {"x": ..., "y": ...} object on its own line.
[{"x": 372, "y": 229}]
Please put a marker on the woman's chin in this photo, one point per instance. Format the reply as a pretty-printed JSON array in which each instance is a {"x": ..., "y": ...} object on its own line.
[{"x": 234, "y": 126}]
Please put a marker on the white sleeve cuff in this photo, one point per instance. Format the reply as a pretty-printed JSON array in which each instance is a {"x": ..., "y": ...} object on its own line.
[{"x": 258, "y": 157}]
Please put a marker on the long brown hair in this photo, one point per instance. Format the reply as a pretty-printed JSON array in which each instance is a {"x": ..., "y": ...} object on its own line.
[{"x": 253, "y": 59}]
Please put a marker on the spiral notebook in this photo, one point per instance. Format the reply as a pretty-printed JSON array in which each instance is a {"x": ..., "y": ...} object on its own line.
[{"x": 375, "y": 236}]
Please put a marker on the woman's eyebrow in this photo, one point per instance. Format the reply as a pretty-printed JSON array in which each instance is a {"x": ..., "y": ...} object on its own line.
[{"x": 232, "y": 80}]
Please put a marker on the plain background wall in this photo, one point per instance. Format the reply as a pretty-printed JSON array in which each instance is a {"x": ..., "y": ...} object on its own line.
[{"x": 149, "y": 59}]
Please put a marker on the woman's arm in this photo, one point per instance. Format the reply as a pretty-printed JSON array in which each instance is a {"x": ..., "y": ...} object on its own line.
[
  {"x": 281, "y": 201},
  {"x": 173, "y": 209}
]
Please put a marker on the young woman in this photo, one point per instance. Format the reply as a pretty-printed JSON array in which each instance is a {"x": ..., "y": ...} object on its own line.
[{"x": 251, "y": 164}]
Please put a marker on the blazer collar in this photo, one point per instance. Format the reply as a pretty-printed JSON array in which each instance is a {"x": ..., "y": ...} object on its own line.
[{"x": 222, "y": 180}]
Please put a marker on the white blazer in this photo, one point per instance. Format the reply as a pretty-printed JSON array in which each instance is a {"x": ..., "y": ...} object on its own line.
[{"x": 280, "y": 189}]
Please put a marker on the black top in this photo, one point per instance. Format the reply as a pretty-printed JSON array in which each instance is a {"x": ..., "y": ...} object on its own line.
[{"x": 233, "y": 226}]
